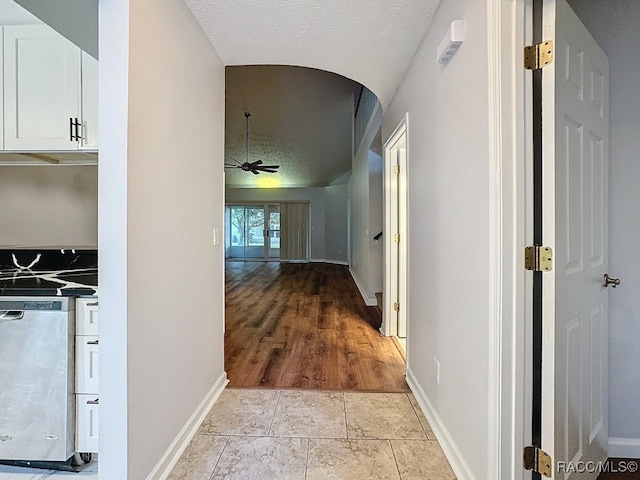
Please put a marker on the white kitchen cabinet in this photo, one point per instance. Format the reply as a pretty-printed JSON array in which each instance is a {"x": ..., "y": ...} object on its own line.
[
  {"x": 43, "y": 94},
  {"x": 87, "y": 423},
  {"x": 1, "y": 91},
  {"x": 87, "y": 374},
  {"x": 89, "y": 102},
  {"x": 87, "y": 364}
]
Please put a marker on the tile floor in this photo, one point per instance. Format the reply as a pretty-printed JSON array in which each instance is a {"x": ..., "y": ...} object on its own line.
[
  {"x": 313, "y": 435},
  {"x": 307, "y": 435}
]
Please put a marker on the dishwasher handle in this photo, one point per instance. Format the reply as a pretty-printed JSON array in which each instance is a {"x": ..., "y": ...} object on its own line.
[{"x": 6, "y": 315}]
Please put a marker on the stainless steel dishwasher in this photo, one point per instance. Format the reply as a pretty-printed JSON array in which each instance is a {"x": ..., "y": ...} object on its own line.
[{"x": 37, "y": 412}]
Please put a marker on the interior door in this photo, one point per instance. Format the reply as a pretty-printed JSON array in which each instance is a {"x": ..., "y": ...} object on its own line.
[
  {"x": 575, "y": 145},
  {"x": 396, "y": 234}
]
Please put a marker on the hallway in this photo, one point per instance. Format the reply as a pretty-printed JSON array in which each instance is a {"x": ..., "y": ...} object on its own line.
[
  {"x": 311, "y": 435},
  {"x": 292, "y": 325}
]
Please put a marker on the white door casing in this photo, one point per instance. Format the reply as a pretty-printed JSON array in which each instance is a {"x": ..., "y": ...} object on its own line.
[
  {"x": 395, "y": 223},
  {"x": 575, "y": 178}
]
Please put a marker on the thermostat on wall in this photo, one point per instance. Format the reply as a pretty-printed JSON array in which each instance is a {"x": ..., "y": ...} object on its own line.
[{"x": 451, "y": 42}]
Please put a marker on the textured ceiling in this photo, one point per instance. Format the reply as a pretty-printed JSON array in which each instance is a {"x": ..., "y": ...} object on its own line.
[
  {"x": 301, "y": 119},
  {"x": 369, "y": 41}
]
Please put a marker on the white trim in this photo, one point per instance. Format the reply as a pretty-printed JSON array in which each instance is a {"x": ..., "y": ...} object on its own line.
[
  {"x": 495, "y": 406},
  {"x": 166, "y": 463},
  {"x": 389, "y": 328},
  {"x": 624, "y": 447},
  {"x": 369, "y": 302},
  {"x": 326, "y": 260},
  {"x": 450, "y": 449}
]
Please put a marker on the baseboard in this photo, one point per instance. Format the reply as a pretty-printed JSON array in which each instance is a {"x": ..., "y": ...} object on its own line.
[
  {"x": 166, "y": 463},
  {"x": 369, "y": 302},
  {"x": 624, "y": 447},
  {"x": 451, "y": 451},
  {"x": 326, "y": 260}
]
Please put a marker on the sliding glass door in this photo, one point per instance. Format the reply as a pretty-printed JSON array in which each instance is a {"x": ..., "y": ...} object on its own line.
[{"x": 252, "y": 232}]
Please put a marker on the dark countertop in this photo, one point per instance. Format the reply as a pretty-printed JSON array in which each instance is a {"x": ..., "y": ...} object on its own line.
[{"x": 67, "y": 272}]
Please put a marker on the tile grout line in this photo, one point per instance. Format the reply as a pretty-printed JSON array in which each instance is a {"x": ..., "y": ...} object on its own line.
[
  {"x": 274, "y": 415},
  {"x": 415, "y": 412},
  {"x": 306, "y": 463},
  {"x": 395, "y": 459},
  {"x": 219, "y": 457},
  {"x": 344, "y": 409}
]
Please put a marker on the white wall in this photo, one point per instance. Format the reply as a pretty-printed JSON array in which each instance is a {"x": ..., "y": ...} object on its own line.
[
  {"x": 448, "y": 182},
  {"x": 160, "y": 197},
  {"x": 366, "y": 214},
  {"x": 616, "y": 28},
  {"x": 325, "y": 203},
  {"x": 49, "y": 206},
  {"x": 336, "y": 235}
]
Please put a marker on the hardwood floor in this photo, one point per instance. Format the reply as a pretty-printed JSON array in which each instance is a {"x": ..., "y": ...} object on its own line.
[{"x": 294, "y": 325}]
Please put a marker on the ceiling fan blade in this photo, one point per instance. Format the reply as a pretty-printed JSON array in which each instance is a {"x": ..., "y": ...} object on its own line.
[
  {"x": 255, "y": 172},
  {"x": 256, "y": 163},
  {"x": 268, "y": 166},
  {"x": 231, "y": 165},
  {"x": 269, "y": 171},
  {"x": 235, "y": 160}
]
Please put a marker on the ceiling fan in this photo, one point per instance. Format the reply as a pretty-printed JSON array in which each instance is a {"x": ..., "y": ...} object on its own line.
[{"x": 253, "y": 167}]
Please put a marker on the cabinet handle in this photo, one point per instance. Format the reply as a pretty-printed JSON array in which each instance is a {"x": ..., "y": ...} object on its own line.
[
  {"x": 93, "y": 342},
  {"x": 92, "y": 304},
  {"x": 77, "y": 124},
  {"x": 93, "y": 402},
  {"x": 70, "y": 129}
]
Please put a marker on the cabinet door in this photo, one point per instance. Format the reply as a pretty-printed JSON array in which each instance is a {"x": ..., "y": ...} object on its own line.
[
  {"x": 41, "y": 88},
  {"x": 87, "y": 423},
  {"x": 87, "y": 316},
  {"x": 89, "y": 102},
  {"x": 87, "y": 364},
  {"x": 1, "y": 91}
]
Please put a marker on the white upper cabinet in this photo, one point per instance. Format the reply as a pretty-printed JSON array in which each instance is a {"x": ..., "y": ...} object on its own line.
[
  {"x": 43, "y": 96},
  {"x": 89, "y": 102}
]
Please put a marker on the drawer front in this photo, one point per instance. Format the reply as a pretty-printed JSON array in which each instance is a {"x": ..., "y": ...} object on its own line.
[
  {"x": 87, "y": 364},
  {"x": 87, "y": 423},
  {"x": 87, "y": 321}
]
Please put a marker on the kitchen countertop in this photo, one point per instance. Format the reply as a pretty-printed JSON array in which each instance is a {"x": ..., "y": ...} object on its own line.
[{"x": 62, "y": 272}]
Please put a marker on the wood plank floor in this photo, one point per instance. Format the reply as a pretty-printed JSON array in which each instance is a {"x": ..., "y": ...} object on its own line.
[{"x": 304, "y": 326}]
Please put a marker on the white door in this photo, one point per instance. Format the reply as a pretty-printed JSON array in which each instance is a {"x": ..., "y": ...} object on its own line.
[
  {"x": 395, "y": 234},
  {"x": 41, "y": 88},
  {"x": 575, "y": 178}
]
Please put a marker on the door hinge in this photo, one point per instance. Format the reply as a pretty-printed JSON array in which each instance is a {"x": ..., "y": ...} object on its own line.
[
  {"x": 396, "y": 169},
  {"x": 539, "y": 55},
  {"x": 538, "y": 258},
  {"x": 537, "y": 460},
  {"x": 396, "y": 238},
  {"x": 396, "y": 306}
]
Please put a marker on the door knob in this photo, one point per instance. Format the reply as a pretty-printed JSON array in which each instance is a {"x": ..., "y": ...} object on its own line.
[{"x": 607, "y": 280}]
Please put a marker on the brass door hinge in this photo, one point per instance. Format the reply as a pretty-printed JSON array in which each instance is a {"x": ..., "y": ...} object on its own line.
[
  {"x": 539, "y": 55},
  {"x": 396, "y": 238},
  {"x": 537, "y": 460},
  {"x": 538, "y": 258},
  {"x": 396, "y": 306},
  {"x": 396, "y": 169}
]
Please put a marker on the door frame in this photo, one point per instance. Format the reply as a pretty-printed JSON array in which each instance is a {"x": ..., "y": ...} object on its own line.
[
  {"x": 510, "y": 220},
  {"x": 392, "y": 259},
  {"x": 266, "y": 250}
]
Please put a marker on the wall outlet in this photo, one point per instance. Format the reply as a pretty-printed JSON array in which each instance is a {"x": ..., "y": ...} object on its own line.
[{"x": 436, "y": 370}]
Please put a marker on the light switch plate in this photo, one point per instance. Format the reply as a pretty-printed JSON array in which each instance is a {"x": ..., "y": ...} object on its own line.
[{"x": 216, "y": 236}]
